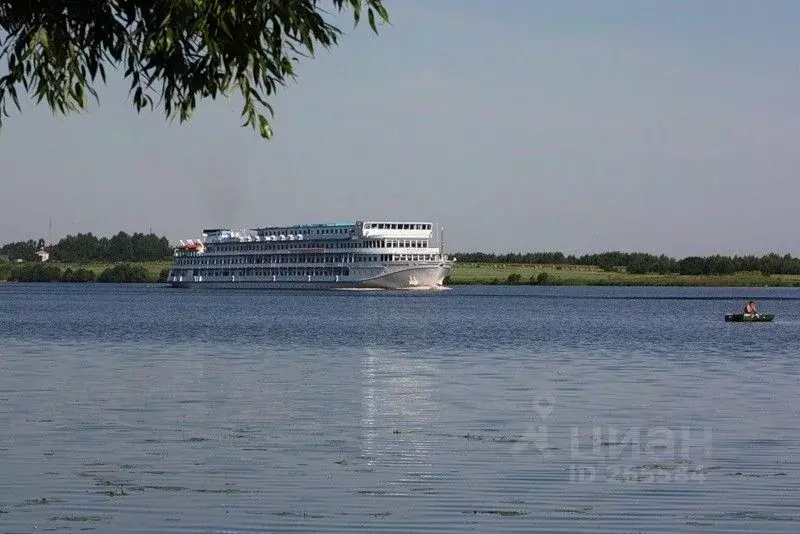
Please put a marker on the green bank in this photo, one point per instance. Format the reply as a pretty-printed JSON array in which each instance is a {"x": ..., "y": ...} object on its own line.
[
  {"x": 583, "y": 275},
  {"x": 123, "y": 272}
]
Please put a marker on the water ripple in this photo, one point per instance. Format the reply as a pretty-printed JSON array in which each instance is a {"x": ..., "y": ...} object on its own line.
[{"x": 139, "y": 409}]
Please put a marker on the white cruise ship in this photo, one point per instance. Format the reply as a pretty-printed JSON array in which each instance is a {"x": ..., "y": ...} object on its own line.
[{"x": 362, "y": 254}]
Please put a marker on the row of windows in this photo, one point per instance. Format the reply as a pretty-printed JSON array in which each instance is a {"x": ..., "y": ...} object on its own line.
[
  {"x": 398, "y": 226},
  {"x": 283, "y": 258},
  {"x": 328, "y": 231},
  {"x": 303, "y": 258},
  {"x": 372, "y": 243},
  {"x": 303, "y": 231},
  {"x": 410, "y": 257},
  {"x": 284, "y": 271},
  {"x": 396, "y": 243}
]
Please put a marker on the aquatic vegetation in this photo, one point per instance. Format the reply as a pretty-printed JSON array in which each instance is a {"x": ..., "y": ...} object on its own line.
[
  {"x": 79, "y": 518},
  {"x": 114, "y": 493},
  {"x": 39, "y": 502},
  {"x": 502, "y": 513}
]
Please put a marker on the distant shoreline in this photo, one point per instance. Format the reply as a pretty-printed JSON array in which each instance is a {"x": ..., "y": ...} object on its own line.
[{"x": 463, "y": 274}]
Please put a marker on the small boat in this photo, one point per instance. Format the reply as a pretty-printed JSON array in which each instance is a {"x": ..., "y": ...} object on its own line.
[{"x": 747, "y": 318}]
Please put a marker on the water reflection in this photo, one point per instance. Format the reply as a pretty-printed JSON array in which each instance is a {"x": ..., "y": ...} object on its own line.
[{"x": 398, "y": 404}]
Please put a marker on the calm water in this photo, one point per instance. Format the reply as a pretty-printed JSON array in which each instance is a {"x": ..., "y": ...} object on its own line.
[{"x": 145, "y": 409}]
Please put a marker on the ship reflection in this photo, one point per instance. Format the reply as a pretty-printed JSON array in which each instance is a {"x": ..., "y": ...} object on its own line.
[{"x": 398, "y": 407}]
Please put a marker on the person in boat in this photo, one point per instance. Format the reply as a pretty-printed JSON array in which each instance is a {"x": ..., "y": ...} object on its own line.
[{"x": 750, "y": 308}]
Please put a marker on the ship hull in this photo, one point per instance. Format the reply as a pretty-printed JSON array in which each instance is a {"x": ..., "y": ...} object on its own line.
[{"x": 414, "y": 277}]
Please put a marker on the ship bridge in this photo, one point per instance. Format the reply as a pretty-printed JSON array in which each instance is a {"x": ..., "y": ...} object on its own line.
[{"x": 410, "y": 230}]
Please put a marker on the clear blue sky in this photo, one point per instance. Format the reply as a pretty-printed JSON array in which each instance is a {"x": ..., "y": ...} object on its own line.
[{"x": 521, "y": 125}]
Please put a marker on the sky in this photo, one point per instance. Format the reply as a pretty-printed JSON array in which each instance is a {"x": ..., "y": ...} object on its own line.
[{"x": 521, "y": 125}]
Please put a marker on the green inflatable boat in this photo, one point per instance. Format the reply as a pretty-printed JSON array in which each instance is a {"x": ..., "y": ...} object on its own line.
[{"x": 742, "y": 318}]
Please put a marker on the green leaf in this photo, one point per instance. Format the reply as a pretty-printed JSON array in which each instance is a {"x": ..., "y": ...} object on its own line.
[
  {"x": 13, "y": 92},
  {"x": 264, "y": 127},
  {"x": 79, "y": 95}
]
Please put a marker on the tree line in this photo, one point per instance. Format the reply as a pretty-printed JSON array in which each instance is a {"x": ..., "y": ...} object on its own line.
[
  {"x": 82, "y": 248},
  {"x": 642, "y": 263}
]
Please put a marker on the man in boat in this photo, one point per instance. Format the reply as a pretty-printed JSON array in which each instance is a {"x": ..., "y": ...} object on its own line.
[{"x": 750, "y": 308}]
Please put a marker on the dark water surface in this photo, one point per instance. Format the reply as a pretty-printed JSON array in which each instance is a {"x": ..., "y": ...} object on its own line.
[{"x": 146, "y": 409}]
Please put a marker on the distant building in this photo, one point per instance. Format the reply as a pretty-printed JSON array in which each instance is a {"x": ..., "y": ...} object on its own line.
[{"x": 43, "y": 255}]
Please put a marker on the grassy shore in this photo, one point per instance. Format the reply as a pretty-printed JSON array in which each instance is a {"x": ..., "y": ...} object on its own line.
[
  {"x": 153, "y": 268},
  {"x": 578, "y": 275}
]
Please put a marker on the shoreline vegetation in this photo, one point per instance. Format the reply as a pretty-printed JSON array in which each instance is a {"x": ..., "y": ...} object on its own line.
[
  {"x": 463, "y": 274},
  {"x": 135, "y": 272},
  {"x": 570, "y": 275},
  {"x": 146, "y": 258}
]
